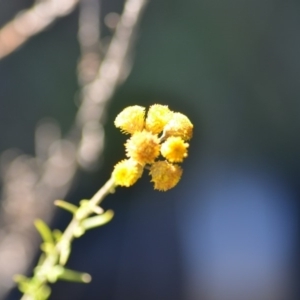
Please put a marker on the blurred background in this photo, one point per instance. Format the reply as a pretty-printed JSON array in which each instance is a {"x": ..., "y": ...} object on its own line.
[{"x": 230, "y": 229}]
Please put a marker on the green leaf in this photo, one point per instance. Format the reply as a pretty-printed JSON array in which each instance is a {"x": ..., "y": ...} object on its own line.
[
  {"x": 47, "y": 247},
  {"x": 70, "y": 275},
  {"x": 57, "y": 234},
  {"x": 66, "y": 206},
  {"x": 20, "y": 278},
  {"x": 84, "y": 202},
  {"x": 97, "y": 221},
  {"x": 44, "y": 231},
  {"x": 43, "y": 292},
  {"x": 24, "y": 286},
  {"x": 54, "y": 273}
]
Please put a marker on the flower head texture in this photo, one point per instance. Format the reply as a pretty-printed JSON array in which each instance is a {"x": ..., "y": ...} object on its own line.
[
  {"x": 174, "y": 149},
  {"x": 143, "y": 147},
  {"x": 157, "y": 117},
  {"x": 163, "y": 133},
  {"x": 165, "y": 175},
  {"x": 131, "y": 119},
  {"x": 127, "y": 172},
  {"x": 179, "y": 125}
]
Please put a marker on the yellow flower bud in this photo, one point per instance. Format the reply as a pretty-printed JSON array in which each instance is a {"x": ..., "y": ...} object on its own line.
[
  {"x": 127, "y": 172},
  {"x": 131, "y": 119},
  {"x": 165, "y": 175},
  {"x": 157, "y": 117},
  {"x": 143, "y": 147},
  {"x": 179, "y": 125},
  {"x": 174, "y": 149}
]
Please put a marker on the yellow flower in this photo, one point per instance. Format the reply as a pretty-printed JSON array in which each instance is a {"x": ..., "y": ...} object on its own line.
[
  {"x": 157, "y": 117},
  {"x": 165, "y": 175},
  {"x": 131, "y": 119},
  {"x": 179, "y": 125},
  {"x": 143, "y": 147},
  {"x": 127, "y": 172},
  {"x": 174, "y": 149}
]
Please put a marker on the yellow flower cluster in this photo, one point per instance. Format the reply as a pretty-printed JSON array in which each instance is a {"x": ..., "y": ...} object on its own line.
[{"x": 145, "y": 145}]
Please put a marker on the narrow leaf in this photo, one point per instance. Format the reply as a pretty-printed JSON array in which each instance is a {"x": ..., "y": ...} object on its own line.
[
  {"x": 74, "y": 276},
  {"x": 20, "y": 278},
  {"x": 57, "y": 235},
  {"x": 47, "y": 247},
  {"x": 43, "y": 293},
  {"x": 66, "y": 205},
  {"x": 44, "y": 231},
  {"x": 97, "y": 221}
]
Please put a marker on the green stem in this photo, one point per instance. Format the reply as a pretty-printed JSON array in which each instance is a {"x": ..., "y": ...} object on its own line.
[{"x": 68, "y": 236}]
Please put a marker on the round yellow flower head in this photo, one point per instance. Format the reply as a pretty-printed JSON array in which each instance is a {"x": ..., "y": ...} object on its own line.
[
  {"x": 174, "y": 149},
  {"x": 157, "y": 117},
  {"x": 165, "y": 175},
  {"x": 143, "y": 147},
  {"x": 131, "y": 119},
  {"x": 179, "y": 125},
  {"x": 127, "y": 172}
]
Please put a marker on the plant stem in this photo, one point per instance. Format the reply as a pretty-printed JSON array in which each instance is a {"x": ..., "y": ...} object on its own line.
[{"x": 68, "y": 236}]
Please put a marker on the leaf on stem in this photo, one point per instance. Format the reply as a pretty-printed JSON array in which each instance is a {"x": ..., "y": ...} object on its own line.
[
  {"x": 97, "y": 221},
  {"x": 44, "y": 231},
  {"x": 66, "y": 206},
  {"x": 57, "y": 234},
  {"x": 62, "y": 273},
  {"x": 47, "y": 247}
]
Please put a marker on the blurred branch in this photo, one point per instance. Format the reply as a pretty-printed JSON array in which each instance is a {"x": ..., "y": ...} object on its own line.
[
  {"x": 89, "y": 40},
  {"x": 31, "y": 22},
  {"x": 112, "y": 71},
  {"x": 30, "y": 185}
]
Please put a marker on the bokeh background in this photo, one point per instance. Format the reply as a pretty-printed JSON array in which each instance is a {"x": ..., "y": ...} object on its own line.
[{"x": 230, "y": 229}]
